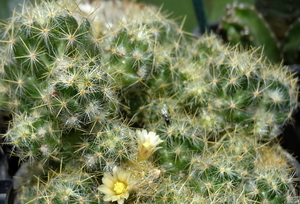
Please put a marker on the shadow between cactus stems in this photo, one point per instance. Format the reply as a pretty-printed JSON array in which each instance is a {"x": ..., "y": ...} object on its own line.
[
  {"x": 290, "y": 136},
  {"x": 9, "y": 165}
]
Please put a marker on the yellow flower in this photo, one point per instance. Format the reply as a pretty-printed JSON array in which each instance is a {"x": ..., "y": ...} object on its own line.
[
  {"x": 147, "y": 144},
  {"x": 116, "y": 187}
]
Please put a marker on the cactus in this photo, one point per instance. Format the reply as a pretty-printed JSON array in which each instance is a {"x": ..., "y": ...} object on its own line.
[
  {"x": 272, "y": 25},
  {"x": 139, "y": 111}
]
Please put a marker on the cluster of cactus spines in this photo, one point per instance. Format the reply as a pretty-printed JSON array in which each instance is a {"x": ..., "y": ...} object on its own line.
[
  {"x": 140, "y": 112},
  {"x": 271, "y": 25},
  {"x": 235, "y": 91}
]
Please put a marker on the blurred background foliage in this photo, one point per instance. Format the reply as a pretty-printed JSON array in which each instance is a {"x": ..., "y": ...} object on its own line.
[
  {"x": 177, "y": 8},
  {"x": 273, "y": 26},
  {"x": 214, "y": 9},
  {"x": 7, "y": 6}
]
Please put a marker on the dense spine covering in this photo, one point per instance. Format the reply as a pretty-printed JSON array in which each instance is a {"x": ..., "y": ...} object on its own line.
[{"x": 140, "y": 112}]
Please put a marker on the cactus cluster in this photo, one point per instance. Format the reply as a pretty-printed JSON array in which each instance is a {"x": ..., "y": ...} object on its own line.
[
  {"x": 273, "y": 25},
  {"x": 132, "y": 109}
]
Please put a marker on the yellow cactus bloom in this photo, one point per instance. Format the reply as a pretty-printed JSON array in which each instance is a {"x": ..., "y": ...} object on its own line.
[
  {"x": 116, "y": 187},
  {"x": 147, "y": 144}
]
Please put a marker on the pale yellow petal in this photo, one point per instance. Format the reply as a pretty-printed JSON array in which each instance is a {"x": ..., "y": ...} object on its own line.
[
  {"x": 108, "y": 181},
  {"x": 106, "y": 190},
  {"x": 107, "y": 198},
  {"x": 121, "y": 201},
  {"x": 144, "y": 132},
  {"x": 125, "y": 195},
  {"x": 115, "y": 172},
  {"x": 115, "y": 197},
  {"x": 123, "y": 177},
  {"x": 112, "y": 183}
]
